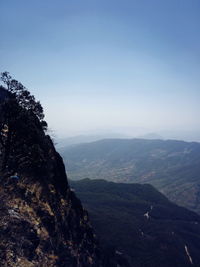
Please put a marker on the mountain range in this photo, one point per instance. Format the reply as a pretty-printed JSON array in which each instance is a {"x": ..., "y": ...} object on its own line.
[{"x": 173, "y": 167}]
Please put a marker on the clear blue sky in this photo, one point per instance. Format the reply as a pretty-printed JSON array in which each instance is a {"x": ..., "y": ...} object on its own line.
[{"x": 106, "y": 65}]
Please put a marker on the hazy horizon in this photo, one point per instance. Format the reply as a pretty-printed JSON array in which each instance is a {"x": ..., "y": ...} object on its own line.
[
  {"x": 129, "y": 68},
  {"x": 90, "y": 136}
]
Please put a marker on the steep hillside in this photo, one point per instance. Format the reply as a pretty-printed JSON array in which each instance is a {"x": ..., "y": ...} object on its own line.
[
  {"x": 42, "y": 223},
  {"x": 141, "y": 224},
  {"x": 171, "y": 166}
]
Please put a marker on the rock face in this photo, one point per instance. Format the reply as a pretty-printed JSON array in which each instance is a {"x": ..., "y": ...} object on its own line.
[{"x": 42, "y": 223}]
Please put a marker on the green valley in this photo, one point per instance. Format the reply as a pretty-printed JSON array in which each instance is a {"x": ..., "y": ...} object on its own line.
[{"x": 173, "y": 167}]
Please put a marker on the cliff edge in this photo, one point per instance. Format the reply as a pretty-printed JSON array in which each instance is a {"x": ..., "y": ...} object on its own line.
[{"x": 42, "y": 222}]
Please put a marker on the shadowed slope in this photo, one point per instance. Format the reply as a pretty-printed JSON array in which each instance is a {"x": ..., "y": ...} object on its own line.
[{"x": 140, "y": 223}]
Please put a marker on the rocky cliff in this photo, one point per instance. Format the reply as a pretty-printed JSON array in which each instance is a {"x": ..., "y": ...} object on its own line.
[{"x": 42, "y": 221}]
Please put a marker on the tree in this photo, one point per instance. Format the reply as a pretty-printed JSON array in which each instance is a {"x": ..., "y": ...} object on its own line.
[
  {"x": 21, "y": 117},
  {"x": 23, "y": 97}
]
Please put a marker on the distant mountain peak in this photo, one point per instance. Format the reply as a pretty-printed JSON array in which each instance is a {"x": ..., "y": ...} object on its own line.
[{"x": 151, "y": 136}]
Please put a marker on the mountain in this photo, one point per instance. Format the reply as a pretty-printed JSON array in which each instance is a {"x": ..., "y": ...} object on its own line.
[
  {"x": 61, "y": 143},
  {"x": 141, "y": 224},
  {"x": 171, "y": 166},
  {"x": 151, "y": 136},
  {"x": 42, "y": 222}
]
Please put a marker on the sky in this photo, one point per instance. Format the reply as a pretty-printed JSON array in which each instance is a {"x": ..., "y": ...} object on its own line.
[{"x": 129, "y": 66}]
